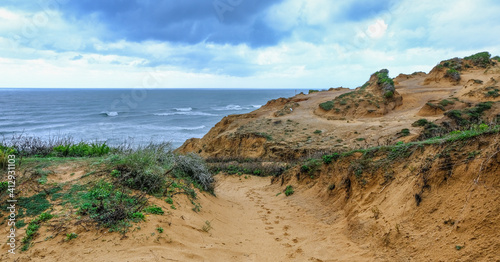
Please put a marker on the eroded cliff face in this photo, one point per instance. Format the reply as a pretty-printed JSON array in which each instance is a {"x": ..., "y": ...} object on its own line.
[
  {"x": 380, "y": 112},
  {"x": 438, "y": 202}
]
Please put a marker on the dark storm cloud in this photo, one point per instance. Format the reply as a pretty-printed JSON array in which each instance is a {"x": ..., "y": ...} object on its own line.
[{"x": 180, "y": 21}]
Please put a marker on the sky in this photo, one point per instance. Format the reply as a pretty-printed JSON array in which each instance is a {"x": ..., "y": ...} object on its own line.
[{"x": 299, "y": 44}]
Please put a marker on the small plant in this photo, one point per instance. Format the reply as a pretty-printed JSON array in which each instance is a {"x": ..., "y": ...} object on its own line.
[
  {"x": 327, "y": 159},
  {"x": 388, "y": 94},
  {"x": 207, "y": 226},
  {"x": 313, "y": 91},
  {"x": 154, "y": 209},
  {"x": 137, "y": 217},
  {"x": 115, "y": 173},
  {"x": 318, "y": 132},
  {"x": 70, "y": 236},
  {"x": 420, "y": 122},
  {"x": 453, "y": 74},
  {"x": 327, "y": 106},
  {"x": 169, "y": 200},
  {"x": 405, "y": 132},
  {"x": 278, "y": 194},
  {"x": 289, "y": 190},
  {"x": 159, "y": 229}
]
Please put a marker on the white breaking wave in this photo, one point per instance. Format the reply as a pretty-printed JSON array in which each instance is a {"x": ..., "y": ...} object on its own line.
[
  {"x": 185, "y": 109},
  {"x": 229, "y": 108},
  {"x": 109, "y": 113},
  {"x": 256, "y": 106},
  {"x": 189, "y": 113}
]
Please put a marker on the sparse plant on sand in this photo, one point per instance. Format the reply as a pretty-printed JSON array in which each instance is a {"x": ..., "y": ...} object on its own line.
[{"x": 289, "y": 190}]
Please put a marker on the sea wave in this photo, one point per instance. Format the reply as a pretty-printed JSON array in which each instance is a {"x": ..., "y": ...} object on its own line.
[
  {"x": 188, "y": 113},
  {"x": 256, "y": 106},
  {"x": 229, "y": 108},
  {"x": 184, "y": 109},
  {"x": 109, "y": 113}
]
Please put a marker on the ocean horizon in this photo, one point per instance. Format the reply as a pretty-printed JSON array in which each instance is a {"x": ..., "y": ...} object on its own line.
[{"x": 117, "y": 116}]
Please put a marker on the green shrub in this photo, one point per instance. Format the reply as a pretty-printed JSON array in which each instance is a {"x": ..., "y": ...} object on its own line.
[
  {"x": 420, "y": 122},
  {"x": 310, "y": 166},
  {"x": 388, "y": 94},
  {"x": 481, "y": 59},
  {"x": 108, "y": 205},
  {"x": 405, "y": 132},
  {"x": 453, "y": 74},
  {"x": 289, "y": 190},
  {"x": 4, "y": 155},
  {"x": 327, "y": 106},
  {"x": 318, "y": 132},
  {"x": 327, "y": 159},
  {"x": 137, "y": 216},
  {"x": 159, "y": 229},
  {"x": 313, "y": 91},
  {"x": 71, "y": 236},
  {"x": 82, "y": 150},
  {"x": 445, "y": 102},
  {"x": 154, "y": 209}
]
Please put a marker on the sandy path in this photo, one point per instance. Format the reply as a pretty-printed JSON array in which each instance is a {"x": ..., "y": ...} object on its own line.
[{"x": 256, "y": 225}]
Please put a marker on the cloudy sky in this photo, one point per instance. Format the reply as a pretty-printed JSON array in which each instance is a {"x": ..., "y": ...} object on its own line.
[{"x": 234, "y": 43}]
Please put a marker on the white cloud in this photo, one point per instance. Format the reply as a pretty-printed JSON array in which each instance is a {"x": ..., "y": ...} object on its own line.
[{"x": 321, "y": 50}]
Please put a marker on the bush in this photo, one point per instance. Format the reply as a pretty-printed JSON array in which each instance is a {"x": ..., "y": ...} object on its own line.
[
  {"x": 453, "y": 74},
  {"x": 194, "y": 167},
  {"x": 480, "y": 59},
  {"x": 445, "y": 102},
  {"x": 82, "y": 150},
  {"x": 110, "y": 206},
  {"x": 310, "y": 166},
  {"x": 388, "y": 94},
  {"x": 420, "y": 122},
  {"x": 327, "y": 106},
  {"x": 289, "y": 190},
  {"x": 154, "y": 209},
  {"x": 327, "y": 159},
  {"x": 405, "y": 132},
  {"x": 313, "y": 91}
]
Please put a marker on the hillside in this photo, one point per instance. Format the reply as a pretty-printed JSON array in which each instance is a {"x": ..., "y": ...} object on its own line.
[{"x": 376, "y": 113}]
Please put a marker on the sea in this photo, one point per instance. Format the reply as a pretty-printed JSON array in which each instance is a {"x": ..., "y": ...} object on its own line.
[{"x": 118, "y": 116}]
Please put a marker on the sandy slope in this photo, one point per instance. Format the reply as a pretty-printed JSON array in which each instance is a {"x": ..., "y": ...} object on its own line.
[{"x": 249, "y": 223}]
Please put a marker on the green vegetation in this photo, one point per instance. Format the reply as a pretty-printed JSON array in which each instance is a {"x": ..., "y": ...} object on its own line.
[
  {"x": 70, "y": 236},
  {"x": 109, "y": 205},
  {"x": 445, "y": 102},
  {"x": 389, "y": 94},
  {"x": 267, "y": 136},
  {"x": 492, "y": 92},
  {"x": 318, "y": 132},
  {"x": 159, "y": 229},
  {"x": 453, "y": 74},
  {"x": 327, "y": 106},
  {"x": 310, "y": 166},
  {"x": 4, "y": 155},
  {"x": 404, "y": 132},
  {"x": 289, "y": 190},
  {"x": 327, "y": 159},
  {"x": 420, "y": 122},
  {"x": 481, "y": 59},
  {"x": 313, "y": 91},
  {"x": 32, "y": 229},
  {"x": 154, "y": 209},
  {"x": 82, "y": 150},
  {"x": 496, "y": 58}
]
